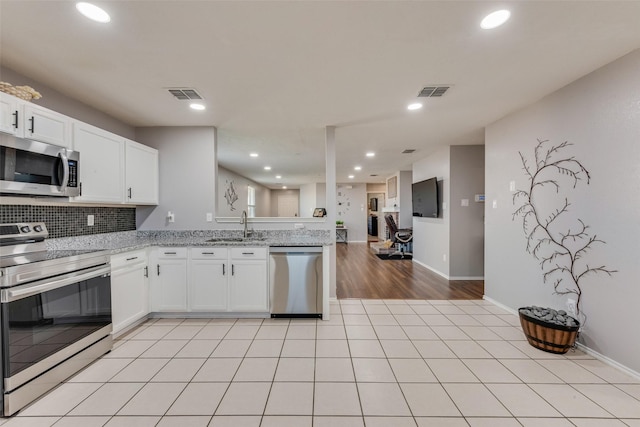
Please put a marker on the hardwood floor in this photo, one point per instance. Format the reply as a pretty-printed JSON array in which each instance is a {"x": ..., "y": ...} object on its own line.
[{"x": 360, "y": 274}]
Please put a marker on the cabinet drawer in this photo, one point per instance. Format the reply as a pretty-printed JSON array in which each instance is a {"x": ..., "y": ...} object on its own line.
[
  {"x": 249, "y": 253},
  {"x": 128, "y": 258},
  {"x": 164, "y": 253},
  {"x": 209, "y": 253}
]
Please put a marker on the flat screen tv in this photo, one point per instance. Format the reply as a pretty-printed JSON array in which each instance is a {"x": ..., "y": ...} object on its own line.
[{"x": 424, "y": 196}]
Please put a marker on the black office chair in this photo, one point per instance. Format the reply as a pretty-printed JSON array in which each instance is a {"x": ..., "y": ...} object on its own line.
[{"x": 401, "y": 238}]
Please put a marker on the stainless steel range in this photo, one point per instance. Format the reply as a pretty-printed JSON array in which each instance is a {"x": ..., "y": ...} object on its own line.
[{"x": 55, "y": 313}]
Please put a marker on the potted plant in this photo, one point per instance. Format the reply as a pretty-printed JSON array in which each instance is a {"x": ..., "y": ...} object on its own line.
[
  {"x": 339, "y": 223},
  {"x": 559, "y": 242}
]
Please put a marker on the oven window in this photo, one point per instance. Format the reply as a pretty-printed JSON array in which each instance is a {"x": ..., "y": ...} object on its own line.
[{"x": 38, "y": 326}]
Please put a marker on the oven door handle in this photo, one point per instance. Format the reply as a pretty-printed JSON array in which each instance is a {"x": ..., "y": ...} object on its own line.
[{"x": 24, "y": 291}]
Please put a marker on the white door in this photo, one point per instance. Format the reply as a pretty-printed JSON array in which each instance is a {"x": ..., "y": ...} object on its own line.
[
  {"x": 101, "y": 164},
  {"x": 208, "y": 289},
  {"x": 141, "y": 173},
  {"x": 45, "y": 125},
  {"x": 288, "y": 205},
  {"x": 172, "y": 285},
  {"x": 9, "y": 115},
  {"x": 248, "y": 286}
]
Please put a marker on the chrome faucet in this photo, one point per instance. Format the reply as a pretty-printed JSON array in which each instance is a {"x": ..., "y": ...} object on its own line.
[{"x": 243, "y": 220}]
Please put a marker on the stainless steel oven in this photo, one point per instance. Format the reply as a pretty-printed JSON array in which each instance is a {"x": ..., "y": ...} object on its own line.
[
  {"x": 55, "y": 314},
  {"x": 35, "y": 168}
]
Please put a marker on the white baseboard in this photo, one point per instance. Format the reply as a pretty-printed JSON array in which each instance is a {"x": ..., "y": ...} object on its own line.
[
  {"x": 601, "y": 357},
  {"x": 431, "y": 268},
  {"x": 466, "y": 278}
]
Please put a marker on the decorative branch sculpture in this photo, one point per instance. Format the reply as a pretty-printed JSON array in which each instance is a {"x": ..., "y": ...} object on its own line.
[{"x": 559, "y": 243}]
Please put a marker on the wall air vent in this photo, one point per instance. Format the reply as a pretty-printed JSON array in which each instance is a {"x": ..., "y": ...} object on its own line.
[
  {"x": 433, "y": 91},
  {"x": 408, "y": 151},
  {"x": 374, "y": 174},
  {"x": 185, "y": 94}
]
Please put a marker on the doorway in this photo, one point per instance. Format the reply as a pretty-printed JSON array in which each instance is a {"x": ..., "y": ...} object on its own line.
[{"x": 375, "y": 202}]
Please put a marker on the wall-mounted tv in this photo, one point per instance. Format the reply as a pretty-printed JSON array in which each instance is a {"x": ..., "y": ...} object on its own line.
[{"x": 424, "y": 196}]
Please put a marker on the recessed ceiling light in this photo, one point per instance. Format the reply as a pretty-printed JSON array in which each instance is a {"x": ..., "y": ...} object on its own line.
[
  {"x": 278, "y": 176},
  {"x": 253, "y": 154},
  {"x": 198, "y": 107},
  {"x": 414, "y": 106},
  {"x": 371, "y": 154},
  {"x": 284, "y": 187},
  {"x": 267, "y": 168},
  {"x": 495, "y": 19},
  {"x": 93, "y": 12},
  {"x": 357, "y": 168},
  {"x": 351, "y": 176}
]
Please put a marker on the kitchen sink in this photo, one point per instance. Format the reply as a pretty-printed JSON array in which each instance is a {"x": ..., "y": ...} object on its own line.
[{"x": 225, "y": 239}]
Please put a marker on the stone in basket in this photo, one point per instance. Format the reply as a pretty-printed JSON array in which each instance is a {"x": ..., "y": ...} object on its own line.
[
  {"x": 549, "y": 330},
  {"x": 23, "y": 92}
]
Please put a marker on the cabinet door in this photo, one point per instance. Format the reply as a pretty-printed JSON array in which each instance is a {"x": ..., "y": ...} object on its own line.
[
  {"x": 208, "y": 289},
  {"x": 141, "y": 174},
  {"x": 41, "y": 124},
  {"x": 171, "y": 285},
  {"x": 129, "y": 296},
  {"x": 10, "y": 115},
  {"x": 101, "y": 164},
  {"x": 248, "y": 286}
]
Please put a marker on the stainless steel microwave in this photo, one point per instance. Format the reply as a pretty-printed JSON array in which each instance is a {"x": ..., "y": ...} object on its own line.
[{"x": 36, "y": 168}]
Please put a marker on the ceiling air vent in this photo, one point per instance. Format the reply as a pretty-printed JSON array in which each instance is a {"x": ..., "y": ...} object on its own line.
[
  {"x": 185, "y": 93},
  {"x": 433, "y": 91},
  {"x": 409, "y": 151}
]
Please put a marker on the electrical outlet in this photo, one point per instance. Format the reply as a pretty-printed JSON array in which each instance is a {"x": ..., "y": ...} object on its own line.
[
  {"x": 209, "y": 216},
  {"x": 572, "y": 307},
  {"x": 90, "y": 220},
  {"x": 444, "y": 257}
]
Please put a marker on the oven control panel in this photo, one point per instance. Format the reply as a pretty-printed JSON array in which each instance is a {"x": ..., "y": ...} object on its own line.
[{"x": 23, "y": 231}]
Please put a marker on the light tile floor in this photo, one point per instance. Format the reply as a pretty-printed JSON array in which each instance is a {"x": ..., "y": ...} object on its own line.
[{"x": 376, "y": 363}]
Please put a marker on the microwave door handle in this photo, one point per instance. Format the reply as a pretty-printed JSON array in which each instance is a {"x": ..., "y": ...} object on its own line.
[{"x": 65, "y": 170}]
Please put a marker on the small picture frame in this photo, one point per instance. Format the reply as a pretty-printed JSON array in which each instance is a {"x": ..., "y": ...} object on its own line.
[
  {"x": 392, "y": 187},
  {"x": 319, "y": 212}
]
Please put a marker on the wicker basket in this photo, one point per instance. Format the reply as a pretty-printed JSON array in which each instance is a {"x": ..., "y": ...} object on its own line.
[
  {"x": 23, "y": 92},
  {"x": 548, "y": 337}
]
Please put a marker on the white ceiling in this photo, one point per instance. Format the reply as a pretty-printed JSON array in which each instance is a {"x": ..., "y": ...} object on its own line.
[{"x": 275, "y": 74}]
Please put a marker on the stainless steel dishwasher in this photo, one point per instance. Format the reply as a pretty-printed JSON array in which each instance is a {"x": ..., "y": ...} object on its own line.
[{"x": 295, "y": 280}]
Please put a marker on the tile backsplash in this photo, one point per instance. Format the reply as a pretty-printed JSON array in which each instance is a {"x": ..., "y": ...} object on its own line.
[{"x": 69, "y": 221}]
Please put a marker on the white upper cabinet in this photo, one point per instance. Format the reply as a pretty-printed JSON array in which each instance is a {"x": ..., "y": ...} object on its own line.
[
  {"x": 10, "y": 114},
  {"x": 141, "y": 174},
  {"x": 42, "y": 124},
  {"x": 101, "y": 164},
  {"x": 24, "y": 119}
]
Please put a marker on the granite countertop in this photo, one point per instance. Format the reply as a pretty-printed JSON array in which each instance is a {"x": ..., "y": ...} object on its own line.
[{"x": 132, "y": 240}]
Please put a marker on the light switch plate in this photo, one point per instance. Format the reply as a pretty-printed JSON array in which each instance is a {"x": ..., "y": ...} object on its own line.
[
  {"x": 464, "y": 202},
  {"x": 91, "y": 220},
  {"x": 209, "y": 217}
]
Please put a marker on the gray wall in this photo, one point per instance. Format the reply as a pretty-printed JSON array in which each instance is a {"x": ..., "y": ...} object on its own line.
[
  {"x": 240, "y": 183},
  {"x": 467, "y": 222},
  {"x": 187, "y": 177},
  {"x": 599, "y": 115},
  {"x": 431, "y": 235},
  {"x": 60, "y": 103},
  {"x": 355, "y": 214}
]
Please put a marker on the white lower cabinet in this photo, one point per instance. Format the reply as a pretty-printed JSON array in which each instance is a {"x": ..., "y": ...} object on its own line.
[
  {"x": 129, "y": 288},
  {"x": 248, "y": 285},
  {"x": 169, "y": 286},
  {"x": 208, "y": 284}
]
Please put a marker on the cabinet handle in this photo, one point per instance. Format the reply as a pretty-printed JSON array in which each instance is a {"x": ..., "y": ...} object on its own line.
[
  {"x": 33, "y": 124},
  {"x": 158, "y": 269},
  {"x": 247, "y": 253},
  {"x": 146, "y": 271},
  {"x": 208, "y": 253},
  {"x": 224, "y": 270},
  {"x": 132, "y": 258},
  {"x": 15, "y": 119},
  {"x": 129, "y": 190},
  {"x": 170, "y": 253},
  {"x": 233, "y": 271},
  {"x": 81, "y": 189}
]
